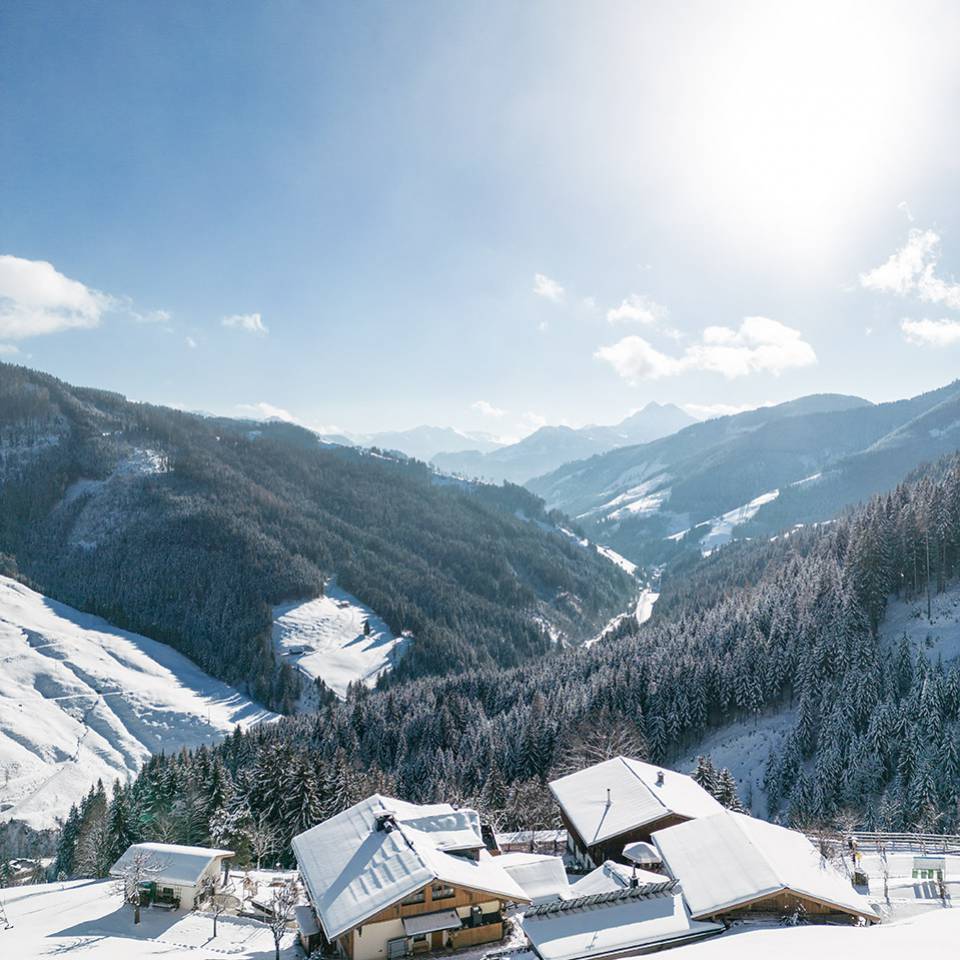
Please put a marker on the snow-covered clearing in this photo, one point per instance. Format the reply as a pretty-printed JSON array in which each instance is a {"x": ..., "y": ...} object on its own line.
[
  {"x": 622, "y": 562},
  {"x": 325, "y": 638},
  {"x": 939, "y": 636},
  {"x": 84, "y": 919},
  {"x": 928, "y": 934},
  {"x": 722, "y": 527},
  {"x": 743, "y": 748},
  {"x": 81, "y": 700}
]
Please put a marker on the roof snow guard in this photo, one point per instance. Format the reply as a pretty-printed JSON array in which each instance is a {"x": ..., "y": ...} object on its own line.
[
  {"x": 642, "y": 892},
  {"x": 619, "y": 795},
  {"x": 380, "y": 850}
]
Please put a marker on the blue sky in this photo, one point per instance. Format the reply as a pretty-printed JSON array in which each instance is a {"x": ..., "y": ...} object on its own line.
[{"x": 488, "y": 215}]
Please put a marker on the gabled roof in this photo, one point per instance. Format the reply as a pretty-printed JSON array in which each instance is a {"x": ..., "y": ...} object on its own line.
[
  {"x": 353, "y": 870},
  {"x": 171, "y": 863},
  {"x": 611, "y": 876},
  {"x": 613, "y": 925},
  {"x": 540, "y": 876},
  {"x": 730, "y": 859},
  {"x": 636, "y": 799}
]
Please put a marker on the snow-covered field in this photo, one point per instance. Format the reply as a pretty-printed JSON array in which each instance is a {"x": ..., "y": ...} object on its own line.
[
  {"x": 84, "y": 919},
  {"x": 325, "y": 638},
  {"x": 82, "y": 700},
  {"x": 930, "y": 934}
]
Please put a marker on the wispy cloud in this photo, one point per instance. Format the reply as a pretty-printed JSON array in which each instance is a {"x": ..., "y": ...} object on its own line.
[
  {"x": 8, "y": 349},
  {"x": 758, "y": 345},
  {"x": 36, "y": 299},
  {"x": 637, "y": 308},
  {"x": 487, "y": 409},
  {"x": 912, "y": 271},
  {"x": 248, "y": 322},
  {"x": 543, "y": 286},
  {"x": 931, "y": 333},
  {"x": 191, "y": 343},
  {"x": 707, "y": 411},
  {"x": 265, "y": 411}
]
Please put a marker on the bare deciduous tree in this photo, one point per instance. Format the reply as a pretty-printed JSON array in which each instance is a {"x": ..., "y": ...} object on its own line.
[
  {"x": 140, "y": 870},
  {"x": 282, "y": 901},
  {"x": 263, "y": 839},
  {"x": 213, "y": 901}
]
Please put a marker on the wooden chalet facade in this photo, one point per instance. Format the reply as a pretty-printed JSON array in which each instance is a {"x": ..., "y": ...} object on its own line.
[{"x": 388, "y": 879}]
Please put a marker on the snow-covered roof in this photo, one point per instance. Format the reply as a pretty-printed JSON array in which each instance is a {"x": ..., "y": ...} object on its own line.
[
  {"x": 170, "y": 862},
  {"x": 610, "y": 876},
  {"x": 641, "y": 852},
  {"x": 353, "y": 870},
  {"x": 540, "y": 876},
  {"x": 614, "y": 927},
  {"x": 639, "y": 794},
  {"x": 731, "y": 859}
]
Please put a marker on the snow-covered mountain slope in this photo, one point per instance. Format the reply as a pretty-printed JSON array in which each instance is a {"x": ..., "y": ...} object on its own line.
[
  {"x": 81, "y": 700},
  {"x": 937, "y": 637},
  {"x": 336, "y": 638}
]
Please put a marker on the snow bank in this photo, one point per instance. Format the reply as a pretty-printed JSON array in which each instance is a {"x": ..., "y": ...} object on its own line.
[
  {"x": 81, "y": 700},
  {"x": 939, "y": 636},
  {"x": 325, "y": 638}
]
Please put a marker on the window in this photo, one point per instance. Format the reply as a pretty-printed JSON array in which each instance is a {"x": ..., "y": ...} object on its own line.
[
  {"x": 440, "y": 891},
  {"x": 419, "y": 897}
]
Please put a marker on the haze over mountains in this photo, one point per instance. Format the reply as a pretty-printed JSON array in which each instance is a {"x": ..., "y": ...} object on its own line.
[
  {"x": 550, "y": 447},
  {"x": 762, "y": 471}
]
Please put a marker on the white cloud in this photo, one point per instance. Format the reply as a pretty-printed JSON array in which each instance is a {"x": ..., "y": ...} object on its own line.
[
  {"x": 543, "y": 326},
  {"x": 8, "y": 349},
  {"x": 487, "y": 409},
  {"x": 931, "y": 333},
  {"x": 191, "y": 343},
  {"x": 265, "y": 411},
  {"x": 249, "y": 322},
  {"x": 912, "y": 271},
  {"x": 36, "y": 299},
  {"x": 637, "y": 308},
  {"x": 533, "y": 421},
  {"x": 758, "y": 345},
  {"x": 151, "y": 316},
  {"x": 707, "y": 411},
  {"x": 543, "y": 286}
]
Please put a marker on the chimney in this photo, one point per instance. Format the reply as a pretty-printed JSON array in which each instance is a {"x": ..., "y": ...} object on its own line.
[
  {"x": 659, "y": 778},
  {"x": 634, "y": 883},
  {"x": 385, "y": 821}
]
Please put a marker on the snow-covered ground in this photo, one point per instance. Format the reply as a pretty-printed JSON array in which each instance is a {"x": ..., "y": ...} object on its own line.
[
  {"x": 83, "y": 919},
  {"x": 722, "y": 527},
  {"x": 81, "y": 700},
  {"x": 325, "y": 638},
  {"x": 743, "y": 748},
  {"x": 930, "y": 934},
  {"x": 939, "y": 636},
  {"x": 643, "y": 611}
]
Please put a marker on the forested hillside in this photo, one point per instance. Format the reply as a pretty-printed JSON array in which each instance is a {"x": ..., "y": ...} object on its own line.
[
  {"x": 189, "y": 529},
  {"x": 751, "y": 474},
  {"x": 754, "y": 629}
]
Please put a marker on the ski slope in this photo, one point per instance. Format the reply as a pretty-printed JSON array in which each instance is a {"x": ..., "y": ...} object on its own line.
[
  {"x": 81, "y": 700},
  {"x": 324, "y": 638}
]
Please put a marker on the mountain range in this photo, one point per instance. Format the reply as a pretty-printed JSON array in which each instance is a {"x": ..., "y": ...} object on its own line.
[
  {"x": 756, "y": 473},
  {"x": 550, "y": 447},
  {"x": 190, "y": 529}
]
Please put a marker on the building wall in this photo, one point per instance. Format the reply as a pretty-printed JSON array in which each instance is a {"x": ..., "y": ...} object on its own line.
[
  {"x": 612, "y": 849},
  {"x": 370, "y": 940},
  {"x": 783, "y": 903}
]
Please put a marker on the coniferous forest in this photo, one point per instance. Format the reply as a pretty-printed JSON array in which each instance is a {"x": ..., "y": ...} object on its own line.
[{"x": 760, "y": 627}]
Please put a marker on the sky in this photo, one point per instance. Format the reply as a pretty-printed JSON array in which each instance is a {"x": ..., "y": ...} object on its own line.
[{"x": 490, "y": 215}]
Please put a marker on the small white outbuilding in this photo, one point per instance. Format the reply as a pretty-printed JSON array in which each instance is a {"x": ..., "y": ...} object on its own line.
[{"x": 176, "y": 873}]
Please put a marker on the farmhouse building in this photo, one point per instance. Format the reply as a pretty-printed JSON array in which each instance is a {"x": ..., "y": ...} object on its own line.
[
  {"x": 388, "y": 879},
  {"x": 731, "y": 865},
  {"x": 620, "y": 801},
  {"x": 177, "y": 873}
]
